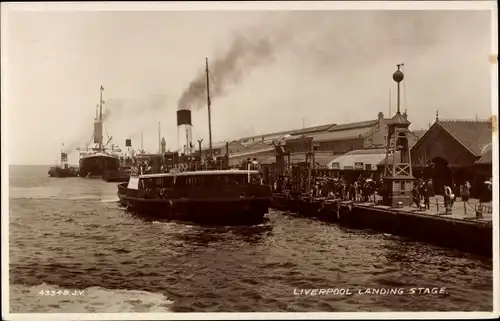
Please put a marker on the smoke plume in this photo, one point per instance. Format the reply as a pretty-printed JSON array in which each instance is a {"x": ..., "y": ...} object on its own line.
[
  {"x": 112, "y": 106},
  {"x": 245, "y": 53},
  {"x": 115, "y": 108},
  {"x": 325, "y": 41}
]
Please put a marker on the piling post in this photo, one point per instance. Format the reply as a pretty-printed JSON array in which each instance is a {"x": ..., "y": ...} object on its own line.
[{"x": 479, "y": 211}]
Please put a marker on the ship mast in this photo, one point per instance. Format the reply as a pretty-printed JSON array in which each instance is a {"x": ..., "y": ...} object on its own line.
[
  {"x": 209, "y": 114},
  {"x": 100, "y": 117}
]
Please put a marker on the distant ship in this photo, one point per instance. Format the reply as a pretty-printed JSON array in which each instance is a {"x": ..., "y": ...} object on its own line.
[
  {"x": 63, "y": 170},
  {"x": 98, "y": 159}
]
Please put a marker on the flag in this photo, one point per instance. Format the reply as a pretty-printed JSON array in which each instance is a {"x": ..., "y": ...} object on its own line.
[
  {"x": 102, "y": 87},
  {"x": 62, "y": 143}
]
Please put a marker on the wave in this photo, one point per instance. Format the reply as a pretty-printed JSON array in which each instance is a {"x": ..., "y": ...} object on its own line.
[
  {"x": 52, "y": 298},
  {"x": 115, "y": 200}
]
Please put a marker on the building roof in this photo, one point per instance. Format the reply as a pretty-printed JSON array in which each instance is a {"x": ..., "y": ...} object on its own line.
[
  {"x": 257, "y": 144},
  {"x": 343, "y": 134},
  {"x": 312, "y": 129},
  {"x": 218, "y": 145},
  {"x": 252, "y": 153},
  {"x": 298, "y": 138},
  {"x": 291, "y": 132},
  {"x": 473, "y": 135},
  {"x": 367, "y": 151},
  {"x": 215, "y": 145},
  {"x": 419, "y": 132},
  {"x": 486, "y": 159},
  {"x": 398, "y": 119},
  {"x": 264, "y": 135},
  {"x": 348, "y": 131},
  {"x": 361, "y": 124},
  {"x": 370, "y": 156},
  {"x": 321, "y": 128}
]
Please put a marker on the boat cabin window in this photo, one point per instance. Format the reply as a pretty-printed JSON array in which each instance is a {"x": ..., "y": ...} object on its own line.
[
  {"x": 157, "y": 182},
  {"x": 212, "y": 180},
  {"x": 196, "y": 180}
]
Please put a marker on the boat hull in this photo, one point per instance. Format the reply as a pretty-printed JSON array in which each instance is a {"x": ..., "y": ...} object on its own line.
[
  {"x": 62, "y": 172},
  {"x": 219, "y": 211},
  {"x": 95, "y": 166}
]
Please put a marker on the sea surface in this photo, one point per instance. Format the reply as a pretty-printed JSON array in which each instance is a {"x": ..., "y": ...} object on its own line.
[{"x": 73, "y": 249}]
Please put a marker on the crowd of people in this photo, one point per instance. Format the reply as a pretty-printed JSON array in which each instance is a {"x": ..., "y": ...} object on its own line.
[
  {"x": 360, "y": 189},
  {"x": 141, "y": 166},
  {"x": 424, "y": 189},
  {"x": 366, "y": 190}
]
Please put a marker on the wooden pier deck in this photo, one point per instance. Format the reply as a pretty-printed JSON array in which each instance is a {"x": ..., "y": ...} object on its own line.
[{"x": 460, "y": 210}]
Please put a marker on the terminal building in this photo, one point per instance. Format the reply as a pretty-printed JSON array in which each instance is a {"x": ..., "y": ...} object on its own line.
[
  {"x": 449, "y": 152},
  {"x": 455, "y": 151},
  {"x": 330, "y": 140}
]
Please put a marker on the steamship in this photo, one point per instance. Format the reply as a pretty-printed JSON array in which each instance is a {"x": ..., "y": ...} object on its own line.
[
  {"x": 190, "y": 189},
  {"x": 220, "y": 197},
  {"x": 97, "y": 160}
]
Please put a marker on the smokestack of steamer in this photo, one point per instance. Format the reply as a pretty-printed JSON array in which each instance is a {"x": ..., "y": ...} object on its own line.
[
  {"x": 185, "y": 130},
  {"x": 184, "y": 117}
]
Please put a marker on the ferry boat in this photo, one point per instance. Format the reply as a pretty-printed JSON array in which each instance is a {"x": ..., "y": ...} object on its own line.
[
  {"x": 98, "y": 159},
  {"x": 220, "y": 197}
]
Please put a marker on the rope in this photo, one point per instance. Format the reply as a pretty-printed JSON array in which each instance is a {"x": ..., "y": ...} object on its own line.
[{"x": 210, "y": 74}]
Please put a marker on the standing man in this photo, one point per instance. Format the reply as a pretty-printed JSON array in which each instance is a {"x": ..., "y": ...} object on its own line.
[
  {"x": 447, "y": 196},
  {"x": 427, "y": 201}
]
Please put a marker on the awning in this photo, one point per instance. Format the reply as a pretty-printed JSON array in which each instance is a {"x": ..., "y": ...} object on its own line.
[{"x": 357, "y": 160}]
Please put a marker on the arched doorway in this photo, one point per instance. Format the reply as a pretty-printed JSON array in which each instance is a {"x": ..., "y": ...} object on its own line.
[{"x": 441, "y": 175}]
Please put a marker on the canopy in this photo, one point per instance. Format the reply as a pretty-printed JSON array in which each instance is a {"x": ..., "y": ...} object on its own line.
[{"x": 358, "y": 160}]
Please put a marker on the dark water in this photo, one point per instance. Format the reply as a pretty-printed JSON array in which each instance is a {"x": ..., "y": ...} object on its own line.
[{"x": 69, "y": 233}]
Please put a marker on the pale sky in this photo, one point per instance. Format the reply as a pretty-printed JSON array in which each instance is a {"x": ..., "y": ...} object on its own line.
[{"x": 323, "y": 67}]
